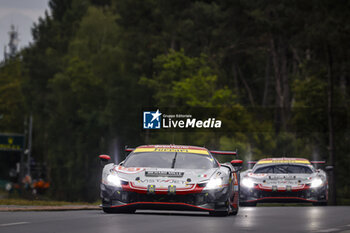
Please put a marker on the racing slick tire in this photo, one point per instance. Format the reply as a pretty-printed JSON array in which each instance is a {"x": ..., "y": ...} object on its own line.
[
  {"x": 235, "y": 211},
  {"x": 232, "y": 210},
  {"x": 117, "y": 211},
  {"x": 222, "y": 213},
  {"x": 251, "y": 204}
]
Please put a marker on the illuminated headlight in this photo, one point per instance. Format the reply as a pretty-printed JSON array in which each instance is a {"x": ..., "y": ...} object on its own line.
[
  {"x": 114, "y": 180},
  {"x": 317, "y": 182},
  {"x": 214, "y": 183},
  {"x": 247, "y": 182}
]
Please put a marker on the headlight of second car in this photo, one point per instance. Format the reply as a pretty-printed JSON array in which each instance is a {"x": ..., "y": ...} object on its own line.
[
  {"x": 247, "y": 182},
  {"x": 317, "y": 182},
  {"x": 113, "y": 180}
]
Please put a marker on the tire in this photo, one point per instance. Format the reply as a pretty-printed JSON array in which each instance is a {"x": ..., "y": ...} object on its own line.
[
  {"x": 223, "y": 213},
  {"x": 108, "y": 210},
  {"x": 252, "y": 204},
  {"x": 235, "y": 212},
  {"x": 232, "y": 210}
]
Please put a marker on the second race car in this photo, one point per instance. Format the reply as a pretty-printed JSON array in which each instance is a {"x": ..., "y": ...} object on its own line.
[
  {"x": 170, "y": 177},
  {"x": 283, "y": 180}
]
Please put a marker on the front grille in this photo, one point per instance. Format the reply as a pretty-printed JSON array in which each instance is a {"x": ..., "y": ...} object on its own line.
[
  {"x": 301, "y": 194},
  {"x": 193, "y": 199}
]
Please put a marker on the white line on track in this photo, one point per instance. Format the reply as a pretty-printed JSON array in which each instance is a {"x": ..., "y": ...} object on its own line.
[
  {"x": 12, "y": 224},
  {"x": 329, "y": 230}
]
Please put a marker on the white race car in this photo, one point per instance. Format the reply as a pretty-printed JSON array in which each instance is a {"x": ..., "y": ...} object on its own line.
[
  {"x": 283, "y": 180},
  {"x": 171, "y": 177}
]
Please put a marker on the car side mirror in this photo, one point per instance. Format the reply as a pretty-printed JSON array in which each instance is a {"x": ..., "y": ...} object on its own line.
[
  {"x": 104, "y": 159},
  {"x": 237, "y": 164}
]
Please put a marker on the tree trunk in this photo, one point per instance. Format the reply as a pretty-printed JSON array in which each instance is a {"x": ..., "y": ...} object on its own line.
[
  {"x": 235, "y": 77},
  {"x": 296, "y": 60},
  {"x": 332, "y": 157},
  {"x": 281, "y": 82},
  {"x": 267, "y": 81},
  {"x": 343, "y": 83},
  {"x": 285, "y": 85},
  {"x": 249, "y": 91}
]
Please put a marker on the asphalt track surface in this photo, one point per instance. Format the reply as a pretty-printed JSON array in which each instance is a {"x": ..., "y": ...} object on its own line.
[{"x": 249, "y": 219}]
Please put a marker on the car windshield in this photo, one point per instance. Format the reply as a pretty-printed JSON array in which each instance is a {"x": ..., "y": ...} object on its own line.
[
  {"x": 170, "y": 160},
  {"x": 283, "y": 168}
]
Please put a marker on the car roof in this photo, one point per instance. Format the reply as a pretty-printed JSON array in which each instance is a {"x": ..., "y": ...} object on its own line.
[
  {"x": 172, "y": 148},
  {"x": 283, "y": 160}
]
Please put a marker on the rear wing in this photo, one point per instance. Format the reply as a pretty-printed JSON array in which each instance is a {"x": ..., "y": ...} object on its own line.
[
  {"x": 251, "y": 164},
  {"x": 128, "y": 149},
  {"x": 312, "y": 162},
  {"x": 215, "y": 152},
  {"x": 317, "y": 164},
  {"x": 220, "y": 152}
]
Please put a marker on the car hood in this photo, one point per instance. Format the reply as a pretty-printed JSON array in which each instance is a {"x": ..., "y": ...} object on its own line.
[
  {"x": 163, "y": 177},
  {"x": 269, "y": 179}
]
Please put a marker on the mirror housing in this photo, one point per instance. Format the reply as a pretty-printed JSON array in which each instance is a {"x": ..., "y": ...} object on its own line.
[
  {"x": 237, "y": 164},
  {"x": 104, "y": 159}
]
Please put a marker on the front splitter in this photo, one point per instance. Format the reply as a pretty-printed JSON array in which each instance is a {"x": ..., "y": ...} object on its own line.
[{"x": 161, "y": 206}]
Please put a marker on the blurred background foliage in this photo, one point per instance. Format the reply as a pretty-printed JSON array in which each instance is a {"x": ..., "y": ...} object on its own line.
[{"x": 265, "y": 66}]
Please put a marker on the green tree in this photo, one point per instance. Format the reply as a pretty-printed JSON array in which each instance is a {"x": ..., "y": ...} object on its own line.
[{"x": 12, "y": 110}]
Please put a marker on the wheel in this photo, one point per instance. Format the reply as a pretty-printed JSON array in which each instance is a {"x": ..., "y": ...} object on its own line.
[
  {"x": 235, "y": 211},
  {"x": 232, "y": 210},
  {"x": 252, "y": 204},
  {"x": 229, "y": 209},
  {"x": 117, "y": 210},
  {"x": 231, "y": 200},
  {"x": 221, "y": 213}
]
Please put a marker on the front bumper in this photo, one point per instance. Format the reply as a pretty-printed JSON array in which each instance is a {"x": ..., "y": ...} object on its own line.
[
  {"x": 206, "y": 200},
  {"x": 256, "y": 195}
]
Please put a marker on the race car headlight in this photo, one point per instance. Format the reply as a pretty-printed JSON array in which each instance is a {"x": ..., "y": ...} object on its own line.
[
  {"x": 247, "y": 182},
  {"x": 214, "y": 183},
  {"x": 114, "y": 180},
  {"x": 317, "y": 182}
]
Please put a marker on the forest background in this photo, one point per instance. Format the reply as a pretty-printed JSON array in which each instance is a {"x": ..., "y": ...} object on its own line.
[{"x": 275, "y": 72}]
